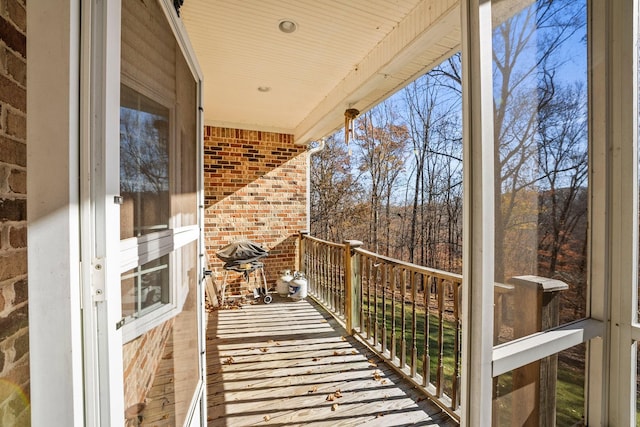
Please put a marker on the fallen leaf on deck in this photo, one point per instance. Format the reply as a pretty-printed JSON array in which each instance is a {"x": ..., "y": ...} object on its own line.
[
  {"x": 315, "y": 359},
  {"x": 323, "y": 321},
  {"x": 354, "y": 352},
  {"x": 379, "y": 415},
  {"x": 267, "y": 417},
  {"x": 334, "y": 406},
  {"x": 376, "y": 376},
  {"x": 264, "y": 349},
  {"x": 229, "y": 360},
  {"x": 338, "y": 353},
  {"x": 313, "y": 390},
  {"x": 335, "y": 395},
  {"x": 373, "y": 365},
  {"x": 343, "y": 338}
]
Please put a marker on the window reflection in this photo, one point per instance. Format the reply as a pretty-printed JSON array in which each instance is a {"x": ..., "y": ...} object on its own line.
[
  {"x": 144, "y": 164},
  {"x": 541, "y": 155},
  {"x": 145, "y": 288}
]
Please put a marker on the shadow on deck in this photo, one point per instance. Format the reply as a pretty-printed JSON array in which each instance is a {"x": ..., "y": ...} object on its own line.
[{"x": 281, "y": 364}]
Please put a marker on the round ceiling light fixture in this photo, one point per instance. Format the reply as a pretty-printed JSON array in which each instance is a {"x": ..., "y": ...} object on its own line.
[{"x": 287, "y": 26}]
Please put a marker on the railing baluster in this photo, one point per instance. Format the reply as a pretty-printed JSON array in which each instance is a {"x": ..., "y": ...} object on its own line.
[
  {"x": 440, "y": 374},
  {"x": 368, "y": 270},
  {"x": 341, "y": 274},
  {"x": 384, "y": 276},
  {"x": 336, "y": 292},
  {"x": 403, "y": 341},
  {"x": 334, "y": 279},
  {"x": 324, "y": 275},
  {"x": 376, "y": 325},
  {"x": 394, "y": 274},
  {"x": 363, "y": 260},
  {"x": 455, "y": 392},
  {"x": 426, "y": 359},
  {"x": 331, "y": 301},
  {"x": 325, "y": 283},
  {"x": 316, "y": 270},
  {"x": 339, "y": 290},
  {"x": 414, "y": 325},
  {"x": 310, "y": 266}
]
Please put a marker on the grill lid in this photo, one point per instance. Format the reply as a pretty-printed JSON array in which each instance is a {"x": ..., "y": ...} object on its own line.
[{"x": 241, "y": 252}]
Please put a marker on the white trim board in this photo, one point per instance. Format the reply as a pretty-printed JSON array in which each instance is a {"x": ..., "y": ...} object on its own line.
[{"x": 518, "y": 353}]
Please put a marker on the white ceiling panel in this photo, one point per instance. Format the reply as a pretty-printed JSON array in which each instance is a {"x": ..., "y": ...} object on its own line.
[{"x": 344, "y": 53}]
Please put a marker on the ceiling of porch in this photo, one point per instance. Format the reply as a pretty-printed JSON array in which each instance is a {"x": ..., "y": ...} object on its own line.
[{"x": 343, "y": 54}]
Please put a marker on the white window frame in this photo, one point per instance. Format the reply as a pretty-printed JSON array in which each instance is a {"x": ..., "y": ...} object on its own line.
[{"x": 136, "y": 251}]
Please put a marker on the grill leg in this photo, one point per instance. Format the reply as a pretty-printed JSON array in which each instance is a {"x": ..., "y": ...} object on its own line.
[{"x": 224, "y": 287}]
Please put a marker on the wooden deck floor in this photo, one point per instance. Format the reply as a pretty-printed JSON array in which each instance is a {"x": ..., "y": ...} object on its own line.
[{"x": 278, "y": 364}]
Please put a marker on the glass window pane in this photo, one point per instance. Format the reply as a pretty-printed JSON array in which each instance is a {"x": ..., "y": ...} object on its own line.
[
  {"x": 541, "y": 160},
  {"x": 145, "y": 288},
  {"x": 547, "y": 392},
  {"x": 144, "y": 164},
  {"x": 174, "y": 356}
]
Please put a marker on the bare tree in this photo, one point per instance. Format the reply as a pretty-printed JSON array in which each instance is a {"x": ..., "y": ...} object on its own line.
[
  {"x": 335, "y": 193},
  {"x": 381, "y": 144},
  {"x": 432, "y": 113}
]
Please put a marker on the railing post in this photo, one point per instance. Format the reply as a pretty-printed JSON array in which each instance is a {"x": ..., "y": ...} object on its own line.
[
  {"x": 351, "y": 282},
  {"x": 302, "y": 234},
  {"x": 534, "y": 385}
]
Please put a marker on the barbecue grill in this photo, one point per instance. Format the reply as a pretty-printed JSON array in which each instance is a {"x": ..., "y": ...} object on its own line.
[{"x": 243, "y": 256}]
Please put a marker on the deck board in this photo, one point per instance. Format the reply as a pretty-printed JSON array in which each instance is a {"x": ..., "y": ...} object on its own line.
[{"x": 276, "y": 364}]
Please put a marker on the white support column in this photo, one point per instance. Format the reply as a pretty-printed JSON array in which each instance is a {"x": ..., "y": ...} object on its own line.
[
  {"x": 622, "y": 204},
  {"x": 55, "y": 336},
  {"x": 478, "y": 264}
]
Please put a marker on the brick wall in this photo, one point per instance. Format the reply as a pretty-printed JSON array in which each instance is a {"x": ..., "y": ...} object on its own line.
[
  {"x": 255, "y": 188},
  {"x": 14, "y": 336}
]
